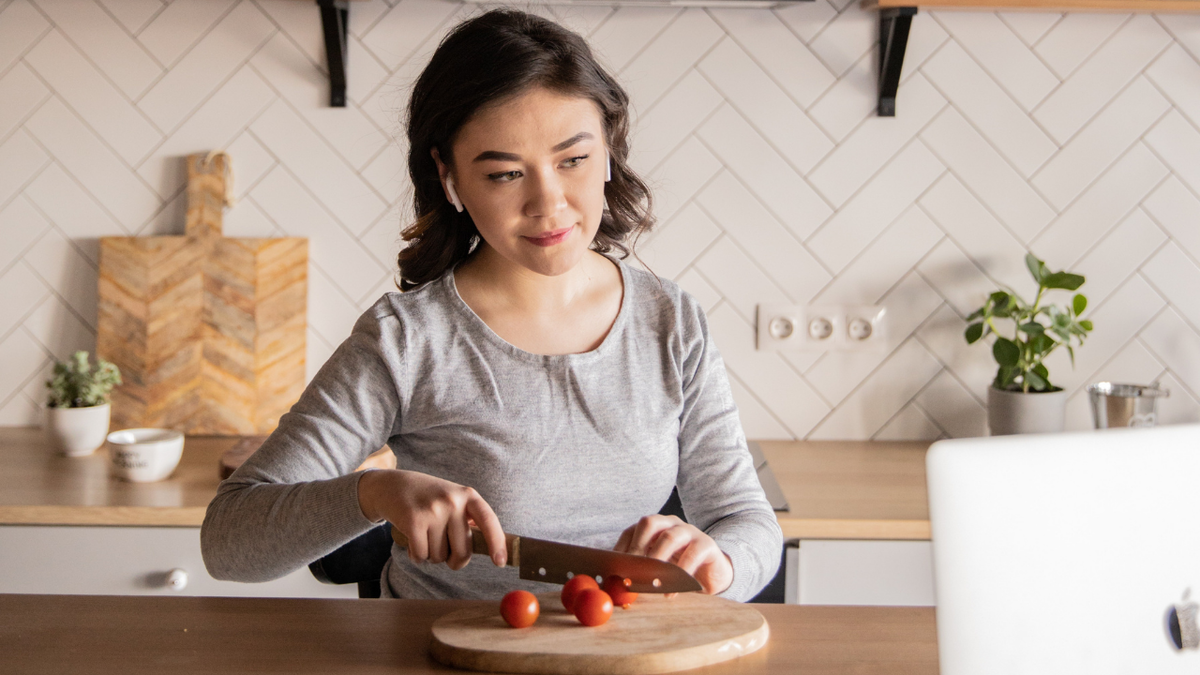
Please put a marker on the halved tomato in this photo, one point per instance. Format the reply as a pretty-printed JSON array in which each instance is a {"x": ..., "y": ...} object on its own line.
[{"x": 617, "y": 588}]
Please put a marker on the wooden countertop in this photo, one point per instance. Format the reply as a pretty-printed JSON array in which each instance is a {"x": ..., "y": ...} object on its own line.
[
  {"x": 836, "y": 489},
  {"x": 40, "y": 487},
  {"x": 851, "y": 489},
  {"x": 182, "y": 635}
]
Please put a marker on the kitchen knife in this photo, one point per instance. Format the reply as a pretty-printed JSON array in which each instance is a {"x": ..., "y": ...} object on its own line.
[{"x": 553, "y": 562}]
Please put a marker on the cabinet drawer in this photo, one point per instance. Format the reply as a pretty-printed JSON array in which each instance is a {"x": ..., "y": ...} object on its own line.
[
  {"x": 129, "y": 561},
  {"x": 860, "y": 572}
]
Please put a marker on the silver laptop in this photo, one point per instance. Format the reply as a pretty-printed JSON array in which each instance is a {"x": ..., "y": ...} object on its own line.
[{"x": 1068, "y": 553}]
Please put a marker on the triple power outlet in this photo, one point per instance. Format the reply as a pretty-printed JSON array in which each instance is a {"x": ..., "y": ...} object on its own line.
[{"x": 821, "y": 328}]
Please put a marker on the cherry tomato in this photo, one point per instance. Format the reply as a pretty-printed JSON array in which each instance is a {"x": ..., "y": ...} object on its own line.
[
  {"x": 520, "y": 609},
  {"x": 593, "y": 607},
  {"x": 618, "y": 589},
  {"x": 577, "y": 583}
]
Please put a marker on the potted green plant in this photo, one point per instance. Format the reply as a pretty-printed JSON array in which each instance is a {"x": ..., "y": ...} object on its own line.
[
  {"x": 1022, "y": 398},
  {"x": 77, "y": 412}
]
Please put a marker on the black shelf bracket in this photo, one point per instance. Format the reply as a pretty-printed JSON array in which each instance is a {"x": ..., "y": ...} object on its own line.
[
  {"x": 335, "y": 16},
  {"x": 894, "y": 23}
]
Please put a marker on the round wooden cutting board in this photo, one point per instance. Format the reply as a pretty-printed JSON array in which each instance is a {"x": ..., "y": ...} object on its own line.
[{"x": 654, "y": 635}]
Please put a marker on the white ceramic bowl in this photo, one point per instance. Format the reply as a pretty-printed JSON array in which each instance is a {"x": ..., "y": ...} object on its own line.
[{"x": 144, "y": 455}]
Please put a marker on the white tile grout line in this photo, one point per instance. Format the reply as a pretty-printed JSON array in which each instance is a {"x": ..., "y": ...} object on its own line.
[
  {"x": 912, "y": 401},
  {"x": 1167, "y": 233},
  {"x": 1064, "y": 78},
  {"x": 916, "y": 202},
  {"x": 104, "y": 74},
  {"x": 1107, "y": 170},
  {"x": 33, "y": 176},
  {"x": 731, "y": 102},
  {"x": 753, "y": 193},
  {"x": 1188, "y": 389},
  {"x": 692, "y": 68},
  {"x": 280, "y": 98},
  {"x": 1092, "y": 375},
  {"x": 995, "y": 78},
  {"x": 20, "y": 58},
  {"x": 87, "y": 126},
  {"x": 1100, "y": 111},
  {"x": 304, "y": 186},
  {"x": 148, "y": 20},
  {"x": 1120, "y": 220},
  {"x": 862, "y": 382},
  {"x": 771, "y": 77},
  {"x": 1162, "y": 294},
  {"x": 758, "y": 399},
  {"x": 654, "y": 38},
  {"x": 167, "y": 67},
  {"x": 20, "y": 324},
  {"x": 1000, "y": 15},
  {"x": 37, "y": 372}
]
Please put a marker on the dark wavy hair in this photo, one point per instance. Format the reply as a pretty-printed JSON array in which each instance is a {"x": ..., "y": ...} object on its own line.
[{"x": 482, "y": 61}]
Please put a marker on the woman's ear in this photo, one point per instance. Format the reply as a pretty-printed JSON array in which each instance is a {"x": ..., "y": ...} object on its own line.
[
  {"x": 447, "y": 180},
  {"x": 442, "y": 169}
]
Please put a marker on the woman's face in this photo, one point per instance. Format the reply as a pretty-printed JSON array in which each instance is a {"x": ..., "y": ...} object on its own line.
[{"x": 530, "y": 172}]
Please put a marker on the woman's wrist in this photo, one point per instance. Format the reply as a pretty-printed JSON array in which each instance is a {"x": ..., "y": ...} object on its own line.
[{"x": 367, "y": 491}]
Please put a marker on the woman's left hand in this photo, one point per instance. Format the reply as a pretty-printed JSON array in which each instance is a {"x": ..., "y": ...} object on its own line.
[{"x": 670, "y": 539}]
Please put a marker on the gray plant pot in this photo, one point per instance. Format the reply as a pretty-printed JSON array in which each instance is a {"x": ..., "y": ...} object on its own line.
[{"x": 1016, "y": 412}]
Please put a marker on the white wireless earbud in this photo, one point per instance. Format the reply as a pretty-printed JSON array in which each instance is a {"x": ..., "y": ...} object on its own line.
[
  {"x": 608, "y": 167},
  {"x": 453, "y": 195}
]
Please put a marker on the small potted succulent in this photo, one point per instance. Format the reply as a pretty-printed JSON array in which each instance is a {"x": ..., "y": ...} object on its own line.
[
  {"x": 77, "y": 411},
  {"x": 1021, "y": 398}
]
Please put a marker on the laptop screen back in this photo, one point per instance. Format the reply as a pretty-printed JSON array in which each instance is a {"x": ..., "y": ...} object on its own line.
[{"x": 1066, "y": 553}]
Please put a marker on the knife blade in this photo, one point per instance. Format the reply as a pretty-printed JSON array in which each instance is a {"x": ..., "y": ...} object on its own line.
[{"x": 555, "y": 562}]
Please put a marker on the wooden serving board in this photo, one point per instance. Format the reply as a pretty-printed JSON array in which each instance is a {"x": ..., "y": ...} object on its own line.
[
  {"x": 655, "y": 635},
  {"x": 208, "y": 331}
]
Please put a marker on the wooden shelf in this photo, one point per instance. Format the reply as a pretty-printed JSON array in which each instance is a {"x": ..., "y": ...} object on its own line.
[{"x": 1046, "y": 5}]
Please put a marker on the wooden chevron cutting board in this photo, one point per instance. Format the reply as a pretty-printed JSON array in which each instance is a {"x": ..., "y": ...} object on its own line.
[{"x": 208, "y": 331}]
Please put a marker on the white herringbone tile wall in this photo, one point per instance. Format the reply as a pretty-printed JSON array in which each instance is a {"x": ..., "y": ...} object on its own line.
[{"x": 1075, "y": 136}]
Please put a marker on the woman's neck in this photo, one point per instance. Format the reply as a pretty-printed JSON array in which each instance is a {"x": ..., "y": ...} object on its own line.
[{"x": 492, "y": 280}]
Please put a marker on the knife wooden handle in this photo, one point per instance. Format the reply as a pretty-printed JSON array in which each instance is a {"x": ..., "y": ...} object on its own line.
[{"x": 512, "y": 544}]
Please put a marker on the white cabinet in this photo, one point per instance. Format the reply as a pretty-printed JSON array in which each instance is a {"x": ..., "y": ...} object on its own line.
[
  {"x": 859, "y": 572},
  {"x": 99, "y": 560}
]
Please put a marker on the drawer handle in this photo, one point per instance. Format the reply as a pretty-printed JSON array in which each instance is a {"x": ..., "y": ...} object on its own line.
[{"x": 177, "y": 579}]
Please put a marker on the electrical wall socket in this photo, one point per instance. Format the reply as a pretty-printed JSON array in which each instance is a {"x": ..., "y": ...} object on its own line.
[{"x": 821, "y": 328}]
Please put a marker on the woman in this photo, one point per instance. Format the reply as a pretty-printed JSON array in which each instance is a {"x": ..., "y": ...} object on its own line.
[{"x": 526, "y": 381}]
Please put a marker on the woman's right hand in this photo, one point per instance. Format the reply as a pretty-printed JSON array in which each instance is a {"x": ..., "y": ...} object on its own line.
[{"x": 434, "y": 514}]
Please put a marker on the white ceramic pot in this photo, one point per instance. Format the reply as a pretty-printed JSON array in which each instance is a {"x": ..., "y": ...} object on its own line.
[
  {"x": 144, "y": 455},
  {"x": 77, "y": 432},
  {"x": 1015, "y": 412}
]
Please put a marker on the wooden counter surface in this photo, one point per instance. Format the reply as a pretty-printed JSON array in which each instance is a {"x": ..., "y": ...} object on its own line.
[
  {"x": 851, "y": 489},
  {"x": 40, "y": 487},
  {"x": 76, "y": 634},
  {"x": 836, "y": 489}
]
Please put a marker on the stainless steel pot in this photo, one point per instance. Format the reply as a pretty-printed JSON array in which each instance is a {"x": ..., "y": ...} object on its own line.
[{"x": 1124, "y": 405}]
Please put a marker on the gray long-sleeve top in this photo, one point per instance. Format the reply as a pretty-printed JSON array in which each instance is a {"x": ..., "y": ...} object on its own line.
[{"x": 572, "y": 448}]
